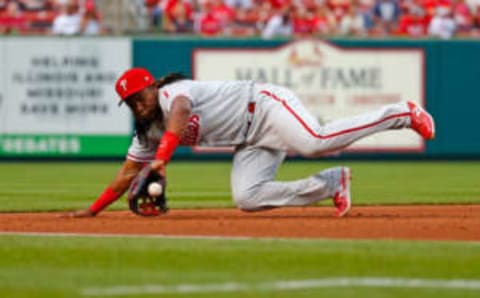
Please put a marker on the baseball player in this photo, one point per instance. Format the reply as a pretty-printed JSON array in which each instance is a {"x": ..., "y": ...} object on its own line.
[{"x": 262, "y": 122}]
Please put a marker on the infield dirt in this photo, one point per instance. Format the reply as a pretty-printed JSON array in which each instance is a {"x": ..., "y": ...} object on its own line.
[{"x": 441, "y": 222}]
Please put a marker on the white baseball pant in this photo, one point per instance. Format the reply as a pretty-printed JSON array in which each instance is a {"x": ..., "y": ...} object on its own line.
[{"x": 280, "y": 122}]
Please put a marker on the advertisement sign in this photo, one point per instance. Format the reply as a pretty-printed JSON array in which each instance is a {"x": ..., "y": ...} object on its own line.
[
  {"x": 331, "y": 82},
  {"x": 3, "y": 88},
  {"x": 58, "y": 97}
]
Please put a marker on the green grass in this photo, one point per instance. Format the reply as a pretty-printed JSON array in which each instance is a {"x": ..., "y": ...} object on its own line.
[
  {"x": 64, "y": 267},
  {"x": 60, "y": 186}
]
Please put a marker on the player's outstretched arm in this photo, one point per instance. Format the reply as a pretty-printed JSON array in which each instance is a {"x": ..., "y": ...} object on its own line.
[
  {"x": 176, "y": 124},
  {"x": 115, "y": 190}
]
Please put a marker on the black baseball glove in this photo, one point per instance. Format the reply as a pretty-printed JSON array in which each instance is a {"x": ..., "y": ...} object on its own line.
[{"x": 140, "y": 201}]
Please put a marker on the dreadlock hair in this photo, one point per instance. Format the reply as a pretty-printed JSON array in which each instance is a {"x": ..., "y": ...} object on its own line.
[
  {"x": 142, "y": 127},
  {"x": 170, "y": 78}
]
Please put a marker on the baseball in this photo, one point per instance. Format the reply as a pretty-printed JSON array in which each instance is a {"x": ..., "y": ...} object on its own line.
[{"x": 155, "y": 189}]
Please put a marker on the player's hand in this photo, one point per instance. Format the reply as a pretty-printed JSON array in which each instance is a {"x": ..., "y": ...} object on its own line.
[
  {"x": 79, "y": 214},
  {"x": 159, "y": 166}
]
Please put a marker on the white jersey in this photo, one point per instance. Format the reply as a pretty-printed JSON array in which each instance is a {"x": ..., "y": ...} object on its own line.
[
  {"x": 278, "y": 122},
  {"x": 218, "y": 117}
]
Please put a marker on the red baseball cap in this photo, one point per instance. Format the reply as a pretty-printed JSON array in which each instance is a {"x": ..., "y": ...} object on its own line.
[{"x": 132, "y": 81}]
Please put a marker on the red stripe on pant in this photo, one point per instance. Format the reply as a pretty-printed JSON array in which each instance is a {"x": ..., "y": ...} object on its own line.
[{"x": 342, "y": 132}]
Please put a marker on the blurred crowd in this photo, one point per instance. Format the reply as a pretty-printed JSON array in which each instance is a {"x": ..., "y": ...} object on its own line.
[
  {"x": 299, "y": 18},
  {"x": 266, "y": 18},
  {"x": 56, "y": 17}
]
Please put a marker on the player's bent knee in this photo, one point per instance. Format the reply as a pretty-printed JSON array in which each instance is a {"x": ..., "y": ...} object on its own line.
[
  {"x": 244, "y": 199},
  {"x": 250, "y": 207},
  {"x": 243, "y": 203}
]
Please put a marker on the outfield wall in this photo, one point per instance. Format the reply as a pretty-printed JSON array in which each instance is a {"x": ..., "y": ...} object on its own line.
[{"x": 57, "y": 97}]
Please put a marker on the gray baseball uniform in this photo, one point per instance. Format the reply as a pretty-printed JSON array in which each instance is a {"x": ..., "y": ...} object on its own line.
[{"x": 263, "y": 122}]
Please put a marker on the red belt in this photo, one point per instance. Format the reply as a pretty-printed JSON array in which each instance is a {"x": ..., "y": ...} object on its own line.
[
  {"x": 251, "y": 107},
  {"x": 251, "y": 111}
]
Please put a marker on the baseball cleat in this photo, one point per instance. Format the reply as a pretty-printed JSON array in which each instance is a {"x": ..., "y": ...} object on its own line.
[
  {"x": 342, "y": 198},
  {"x": 421, "y": 121}
]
